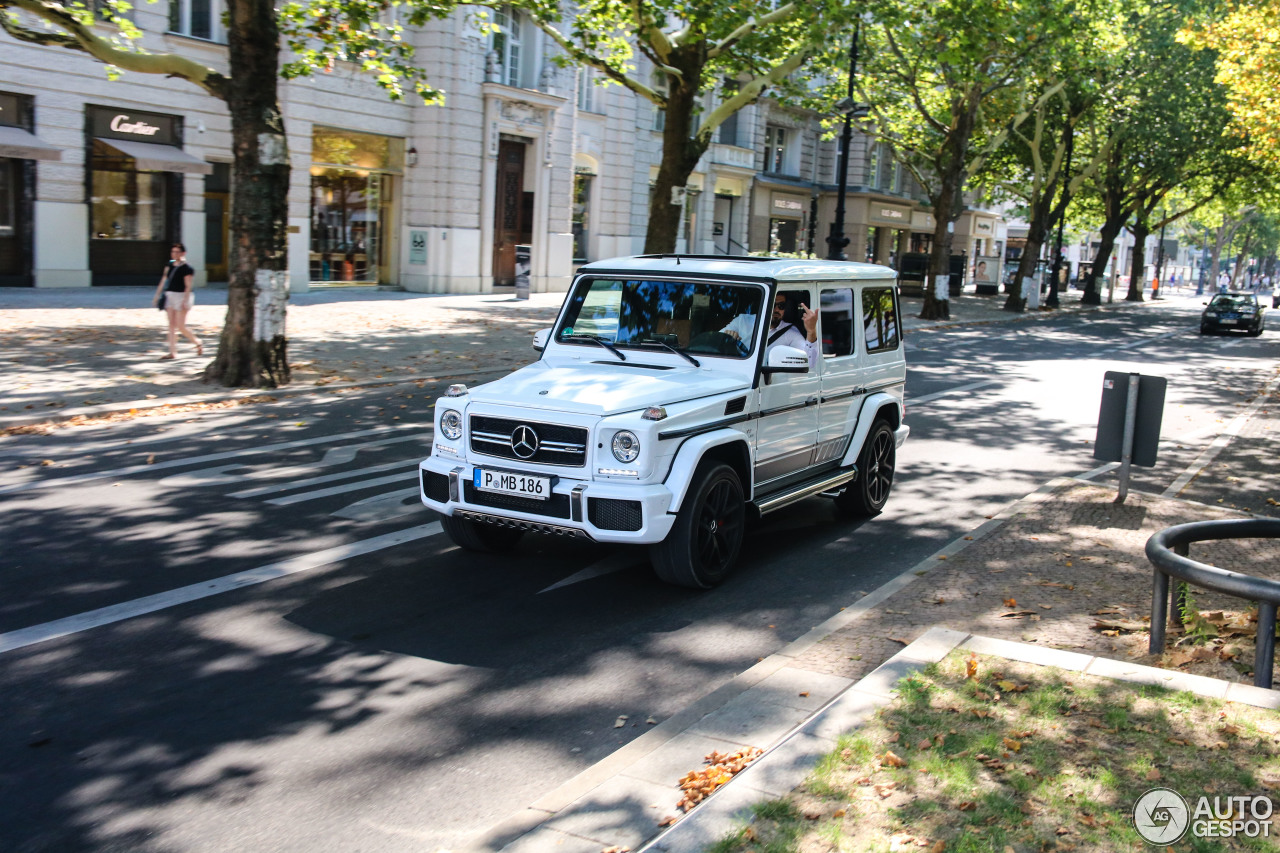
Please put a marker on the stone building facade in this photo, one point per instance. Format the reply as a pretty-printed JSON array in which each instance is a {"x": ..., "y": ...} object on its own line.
[{"x": 526, "y": 166}]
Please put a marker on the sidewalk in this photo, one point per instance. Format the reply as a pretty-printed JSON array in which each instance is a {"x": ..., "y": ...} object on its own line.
[
  {"x": 1033, "y": 584},
  {"x": 67, "y": 354}
]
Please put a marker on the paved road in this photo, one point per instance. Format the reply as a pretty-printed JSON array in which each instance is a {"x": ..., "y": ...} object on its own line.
[{"x": 384, "y": 691}]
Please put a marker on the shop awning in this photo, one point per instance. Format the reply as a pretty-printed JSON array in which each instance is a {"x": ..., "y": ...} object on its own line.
[
  {"x": 16, "y": 142},
  {"x": 150, "y": 157}
]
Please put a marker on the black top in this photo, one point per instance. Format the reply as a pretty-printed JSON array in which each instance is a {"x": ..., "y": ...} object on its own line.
[{"x": 175, "y": 276}]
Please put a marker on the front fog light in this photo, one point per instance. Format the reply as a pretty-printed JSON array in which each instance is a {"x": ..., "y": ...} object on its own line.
[
  {"x": 451, "y": 425},
  {"x": 626, "y": 447}
]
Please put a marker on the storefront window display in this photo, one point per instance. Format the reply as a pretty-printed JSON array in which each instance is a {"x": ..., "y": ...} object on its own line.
[
  {"x": 352, "y": 187},
  {"x": 135, "y": 192}
]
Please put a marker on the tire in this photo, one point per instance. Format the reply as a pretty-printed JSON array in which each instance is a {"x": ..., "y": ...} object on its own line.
[
  {"x": 867, "y": 495},
  {"x": 475, "y": 536},
  {"x": 703, "y": 544}
]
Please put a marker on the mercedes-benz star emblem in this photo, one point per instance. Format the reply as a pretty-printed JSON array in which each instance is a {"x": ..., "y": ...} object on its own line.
[{"x": 524, "y": 441}]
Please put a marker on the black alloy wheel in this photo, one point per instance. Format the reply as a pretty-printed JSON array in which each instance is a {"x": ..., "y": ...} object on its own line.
[
  {"x": 867, "y": 495},
  {"x": 704, "y": 542}
]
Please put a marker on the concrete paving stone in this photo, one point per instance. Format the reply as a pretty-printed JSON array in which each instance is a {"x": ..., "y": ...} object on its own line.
[
  {"x": 1259, "y": 697},
  {"x": 622, "y": 812},
  {"x": 725, "y": 811},
  {"x": 798, "y": 688},
  {"x": 1124, "y": 671},
  {"x": 1027, "y": 653},
  {"x": 667, "y": 764},
  {"x": 846, "y": 713},
  {"x": 785, "y": 766},
  {"x": 934, "y": 645},
  {"x": 543, "y": 840},
  {"x": 883, "y": 680},
  {"x": 748, "y": 721}
]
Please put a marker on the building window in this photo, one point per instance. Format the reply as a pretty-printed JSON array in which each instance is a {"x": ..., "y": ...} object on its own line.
[
  {"x": 196, "y": 18},
  {"x": 352, "y": 189},
  {"x": 8, "y": 195},
  {"x": 581, "y": 214},
  {"x": 590, "y": 94},
  {"x": 662, "y": 85},
  {"x": 126, "y": 204},
  {"x": 778, "y": 150},
  {"x": 783, "y": 234},
  {"x": 729, "y": 127},
  {"x": 506, "y": 42},
  {"x": 873, "y": 167}
]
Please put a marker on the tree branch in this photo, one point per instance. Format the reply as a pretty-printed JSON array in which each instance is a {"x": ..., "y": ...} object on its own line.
[
  {"x": 605, "y": 68},
  {"x": 80, "y": 36},
  {"x": 752, "y": 90},
  {"x": 779, "y": 14}
]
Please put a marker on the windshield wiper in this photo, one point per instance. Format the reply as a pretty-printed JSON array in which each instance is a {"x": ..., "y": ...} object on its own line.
[
  {"x": 670, "y": 348},
  {"x": 601, "y": 341}
]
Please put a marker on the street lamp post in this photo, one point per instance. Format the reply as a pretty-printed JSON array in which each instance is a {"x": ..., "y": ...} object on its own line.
[
  {"x": 836, "y": 240},
  {"x": 1204, "y": 264}
]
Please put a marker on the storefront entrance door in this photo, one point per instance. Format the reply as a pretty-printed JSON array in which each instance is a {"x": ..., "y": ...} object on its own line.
[{"x": 513, "y": 214}]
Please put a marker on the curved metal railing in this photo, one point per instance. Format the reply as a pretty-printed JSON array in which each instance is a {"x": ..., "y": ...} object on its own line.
[{"x": 1168, "y": 552}]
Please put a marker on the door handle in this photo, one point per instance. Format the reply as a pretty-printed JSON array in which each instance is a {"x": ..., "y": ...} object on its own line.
[{"x": 812, "y": 401}]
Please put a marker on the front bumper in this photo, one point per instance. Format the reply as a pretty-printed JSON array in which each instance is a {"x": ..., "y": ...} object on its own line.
[{"x": 601, "y": 511}]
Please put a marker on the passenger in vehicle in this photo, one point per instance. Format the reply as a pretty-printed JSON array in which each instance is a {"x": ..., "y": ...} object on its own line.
[{"x": 783, "y": 330}]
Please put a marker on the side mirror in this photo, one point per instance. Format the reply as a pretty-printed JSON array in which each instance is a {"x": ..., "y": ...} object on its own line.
[
  {"x": 540, "y": 339},
  {"x": 784, "y": 359}
]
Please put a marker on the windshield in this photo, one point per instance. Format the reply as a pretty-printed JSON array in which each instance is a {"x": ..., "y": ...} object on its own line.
[
  {"x": 689, "y": 316},
  {"x": 1234, "y": 303}
]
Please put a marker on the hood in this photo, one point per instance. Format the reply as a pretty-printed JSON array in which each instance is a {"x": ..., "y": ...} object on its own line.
[{"x": 602, "y": 389}]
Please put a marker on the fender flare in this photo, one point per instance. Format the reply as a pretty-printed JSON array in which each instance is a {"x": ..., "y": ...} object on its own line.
[
  {"x": 690, "y": 455},
  {"x": 871, "y": 405}
]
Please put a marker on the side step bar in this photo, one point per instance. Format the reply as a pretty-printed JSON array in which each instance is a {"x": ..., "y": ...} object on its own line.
[{"x": 807, "y": 490}]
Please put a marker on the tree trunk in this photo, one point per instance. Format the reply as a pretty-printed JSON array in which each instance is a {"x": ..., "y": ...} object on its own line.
[
  {"x": 680, "y": 154},
  {"x": 1110, "y": 230},
  {"x": 1138, "y": 269},
  {"x": 1037, "y": 231},
  {"x": 252, "y": 351}
]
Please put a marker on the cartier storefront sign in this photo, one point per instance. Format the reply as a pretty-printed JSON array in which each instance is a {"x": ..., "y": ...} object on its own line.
[{"x": 113, "y": 123}]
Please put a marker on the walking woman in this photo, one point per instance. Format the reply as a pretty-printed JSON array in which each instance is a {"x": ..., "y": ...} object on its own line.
[{"x": 175, "y": 289}]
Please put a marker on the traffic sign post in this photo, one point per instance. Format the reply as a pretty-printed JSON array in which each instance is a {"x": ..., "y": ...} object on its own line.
[{"x": 1129, "y": 422}]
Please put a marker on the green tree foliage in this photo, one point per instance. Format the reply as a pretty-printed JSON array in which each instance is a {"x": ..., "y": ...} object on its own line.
[
  {"x": 694, "y": 47},
  {"x": 946, "y": 81}
]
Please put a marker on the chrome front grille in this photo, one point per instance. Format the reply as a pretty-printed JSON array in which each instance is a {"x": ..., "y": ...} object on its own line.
[{"x": 529, "y": 441}]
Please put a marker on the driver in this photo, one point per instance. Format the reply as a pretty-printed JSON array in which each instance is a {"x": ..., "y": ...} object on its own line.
[{"x": 780, "y": 330}]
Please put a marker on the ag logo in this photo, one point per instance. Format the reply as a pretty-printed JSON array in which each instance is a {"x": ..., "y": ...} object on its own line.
[{"x": 1161, "y": 816}]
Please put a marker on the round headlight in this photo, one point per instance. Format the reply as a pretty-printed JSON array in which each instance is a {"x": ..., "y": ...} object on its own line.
[
  {"x": 626, "y": 447},
  {"x": 451, "y": 424}
]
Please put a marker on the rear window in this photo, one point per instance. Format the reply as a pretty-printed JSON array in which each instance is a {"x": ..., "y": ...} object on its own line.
[{"x": 880, "y": 319}]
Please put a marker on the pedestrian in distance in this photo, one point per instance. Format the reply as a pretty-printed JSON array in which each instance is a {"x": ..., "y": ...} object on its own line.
[{"x": 174, "y": 293}]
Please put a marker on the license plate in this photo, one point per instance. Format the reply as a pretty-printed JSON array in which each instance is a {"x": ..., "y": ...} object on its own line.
[
  {"x": 512, "y": 483},
  {"x": 1230, "y": 316}
]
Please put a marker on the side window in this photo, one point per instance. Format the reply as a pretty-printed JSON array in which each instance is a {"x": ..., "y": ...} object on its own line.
[
  {"x": 836, "y": 322},
  {"x": 880, "y": 319}
]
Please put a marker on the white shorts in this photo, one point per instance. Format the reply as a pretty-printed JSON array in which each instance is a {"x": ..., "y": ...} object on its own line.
[{"x": 176, "y": 300}]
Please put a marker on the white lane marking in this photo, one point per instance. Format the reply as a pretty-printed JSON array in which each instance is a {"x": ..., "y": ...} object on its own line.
[
  {"x": 24, "y": 637},
  {"x": 1215, "y": 447},
  {"x": 613, "y": 563},
  {"x": 327, "y": 478},
  {"x": 196, "y": 460},
  {"x": 929, "y": 398},
  {"x": 1141, "y": 342},
  {"x": 287, "y": 500},
  {"x": 382, "y": 507},
  {"x": 333, "y": 456},
  {"x": 1099, "y": 471}
]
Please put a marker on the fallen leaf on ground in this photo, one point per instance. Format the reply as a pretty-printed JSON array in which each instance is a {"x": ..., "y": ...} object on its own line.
[
  {"x": 891, "y": 759},
  {"x": 1011, "y": 602}
]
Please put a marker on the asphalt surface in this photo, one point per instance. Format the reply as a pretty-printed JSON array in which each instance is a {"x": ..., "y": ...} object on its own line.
[{"x": 383, "y": 690}]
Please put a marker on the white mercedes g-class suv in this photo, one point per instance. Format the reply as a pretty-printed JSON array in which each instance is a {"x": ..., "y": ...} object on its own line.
[{"x": 677, "y": 399}]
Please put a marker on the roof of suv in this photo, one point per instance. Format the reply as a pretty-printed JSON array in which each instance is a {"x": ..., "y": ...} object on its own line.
[{"x": 742, "y": 266}]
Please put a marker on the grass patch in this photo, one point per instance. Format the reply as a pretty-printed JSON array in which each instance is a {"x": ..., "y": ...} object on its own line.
[{"x": 1021, "y": 758}]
